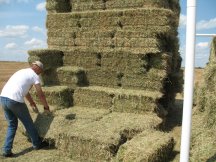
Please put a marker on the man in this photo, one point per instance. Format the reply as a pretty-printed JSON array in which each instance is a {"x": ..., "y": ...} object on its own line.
[{"x": 12, "y": 100}]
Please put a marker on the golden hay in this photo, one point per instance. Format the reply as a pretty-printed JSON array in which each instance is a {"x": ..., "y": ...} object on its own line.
[
  {"x": 84, "y": 133},
  {"x": 151, "y": 146},
  {"x": 121, "y": 100}
]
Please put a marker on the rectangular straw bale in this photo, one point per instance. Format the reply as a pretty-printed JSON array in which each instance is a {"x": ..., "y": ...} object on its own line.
[
  {"x": 117, "y": 4},
  {"x": 93, "y": 98},
  {"x": 125, "y": 65},
  {"x": 105, "y": 137},
  {"x": 148, "y": 146},
  {"x": 143, "y": 17},
  {"x": 58, "y": 96},
  {"x": 50, "y": 126},
  {"x": 82, "y": 59},
  {"x": 120, "y": 100},
  {"x": 151, "y": 19},
  {"x": 103, "y": 77},
  {"x": 153, "y": 80},
  {"x": 44, "y": 56},
  {"x": 135, "y": 34},
  {"x": 71, "y": 76},
  {"x": 58, "y": 6},
  {"x": 137, "y": 42},
  {"x": 49, "y": 77},
  {"x": 94, "y": 42}
]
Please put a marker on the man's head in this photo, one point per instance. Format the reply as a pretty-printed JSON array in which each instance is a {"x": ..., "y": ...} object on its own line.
[{"x": 37, "y": 66}]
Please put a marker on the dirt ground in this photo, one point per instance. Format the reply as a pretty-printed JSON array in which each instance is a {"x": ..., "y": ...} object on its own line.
[{"x": 23, "y": 150}]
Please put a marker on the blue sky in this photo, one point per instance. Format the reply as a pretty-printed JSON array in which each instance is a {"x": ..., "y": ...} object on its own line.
[{"x": 22, "y": 27}]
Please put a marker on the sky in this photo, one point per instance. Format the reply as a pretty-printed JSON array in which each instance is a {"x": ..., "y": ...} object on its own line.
[{"x": 22, "y": 27}]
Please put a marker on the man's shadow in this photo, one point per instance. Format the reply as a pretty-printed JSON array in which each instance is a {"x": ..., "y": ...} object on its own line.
[{"x": 25, "y": 151}]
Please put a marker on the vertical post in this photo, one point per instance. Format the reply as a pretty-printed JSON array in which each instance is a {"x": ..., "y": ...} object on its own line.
[{"x": 189, "y": 80}]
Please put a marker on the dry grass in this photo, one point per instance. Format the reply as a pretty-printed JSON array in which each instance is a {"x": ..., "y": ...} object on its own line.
[{"x": 8, "y": 68}]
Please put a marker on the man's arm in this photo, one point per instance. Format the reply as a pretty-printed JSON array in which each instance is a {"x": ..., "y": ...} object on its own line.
[
  {"x": 42, "y": 96},
  {"x": 30, "y": 100}
]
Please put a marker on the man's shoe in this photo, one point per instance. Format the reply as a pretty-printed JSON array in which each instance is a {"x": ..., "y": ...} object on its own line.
[
  {"x": 42, "y": 145},
  {"x": 7, "y": 154}
]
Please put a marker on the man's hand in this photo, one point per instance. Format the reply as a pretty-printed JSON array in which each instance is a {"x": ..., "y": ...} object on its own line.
[
  {"x": 35, "y": 109},
  {"x": 47, "y": 111}
]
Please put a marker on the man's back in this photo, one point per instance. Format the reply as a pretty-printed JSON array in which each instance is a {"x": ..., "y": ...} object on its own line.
[{"x": 19, "y": 84}]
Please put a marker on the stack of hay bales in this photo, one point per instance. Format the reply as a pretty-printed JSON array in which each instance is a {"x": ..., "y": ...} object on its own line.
[
  {"x": 204, "y": 122},
  {"x": 121, "y": 65},
  {"x": 121, "y": 44}
]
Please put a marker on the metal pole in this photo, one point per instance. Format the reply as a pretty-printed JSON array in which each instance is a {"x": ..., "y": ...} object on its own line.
[
  {"x": 189, "y": 80},
  {"x": 206, "y": 35}
]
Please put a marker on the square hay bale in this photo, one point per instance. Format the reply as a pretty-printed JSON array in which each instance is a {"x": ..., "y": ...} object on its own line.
[
  {"x": 44, "y": 56},
  {"x": 50, "y": 126},
  {"x": 152, "y": 80},
  {"x": 106, "y": 136},
  {"x": 71, "y": 76},
  {"x": 82, "y": 58},
  {"x": 56, "y": 6},
  {"x": 122, "y": 4},
  {"x": 58, "y": 96},
  {"x": 49, "y": 77},
  {"x": 103, "y": 77},
  {"x": 151, "y": 146},
  {"x": 121, "y": 100},
  {"x": 137, "y": 42},
  {"x": 95, "y": 97}
]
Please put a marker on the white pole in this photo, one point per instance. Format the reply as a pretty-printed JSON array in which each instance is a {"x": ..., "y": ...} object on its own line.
[
  {"x": 206, "y": 35},
  {"x": 189, "y": 80}
]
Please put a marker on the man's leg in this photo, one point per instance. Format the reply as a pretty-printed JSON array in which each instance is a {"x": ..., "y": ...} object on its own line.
[
  {"x": 21, "y": 111},
  {"x": 12, "y": 127}
]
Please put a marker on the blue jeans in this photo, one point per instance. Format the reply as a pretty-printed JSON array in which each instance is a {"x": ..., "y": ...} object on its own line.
[{"x": 13, "y": 111}]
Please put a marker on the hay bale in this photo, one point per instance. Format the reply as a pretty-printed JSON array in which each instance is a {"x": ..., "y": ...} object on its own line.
[
  {"x": 121, "y": 100},
  {"x": 108, "y": 131},
  {"x": 49, "y": 77},
  {"x": 44, "y": 56},
  {"x": 147, "y": 146},
  {"x": 58, "y": 6},
  {"x": 58, "y": 96},
  {"x": 71, "y": 76},
  {"x": 152, "y": 80},
  {"x": 112, "y": 18},
  {"x": 105, "y": 137},
  {"x": 123, "y": 4}
]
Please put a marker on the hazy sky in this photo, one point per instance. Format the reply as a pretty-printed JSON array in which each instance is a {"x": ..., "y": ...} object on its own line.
[{"x": 22, "y": 27}]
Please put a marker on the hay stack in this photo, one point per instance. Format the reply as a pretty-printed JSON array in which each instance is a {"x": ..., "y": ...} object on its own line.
[
  {"x": 133, "y": 47},
  {"x": 127, "y": 51},
  {"x": 203, "y": 139}
]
